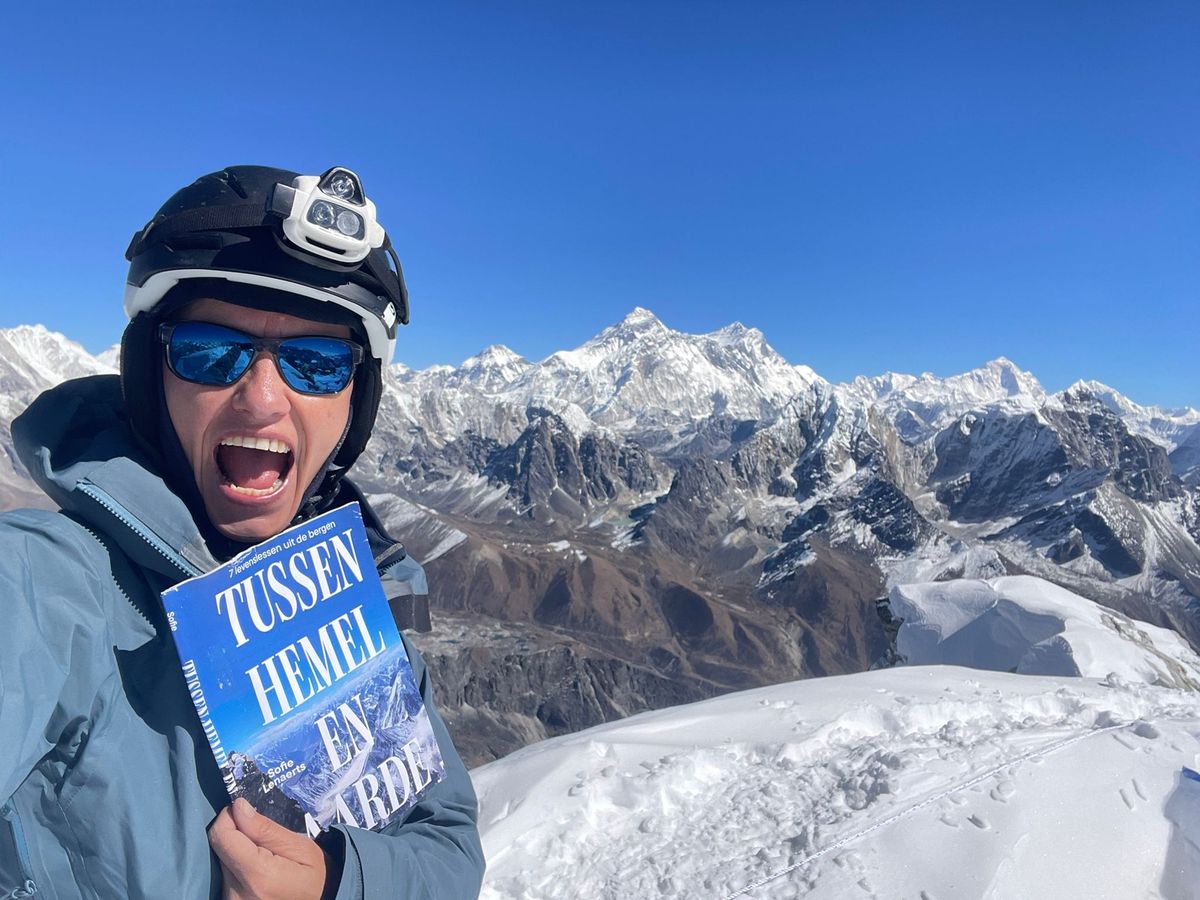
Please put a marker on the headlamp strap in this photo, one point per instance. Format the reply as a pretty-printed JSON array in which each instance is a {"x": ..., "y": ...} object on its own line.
[{"x": 201, "y": 218}]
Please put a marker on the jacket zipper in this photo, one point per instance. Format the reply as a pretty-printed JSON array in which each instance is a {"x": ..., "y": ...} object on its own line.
[
  {"x": 134, "y": 524},
  {"x": 28, "y": 887}
]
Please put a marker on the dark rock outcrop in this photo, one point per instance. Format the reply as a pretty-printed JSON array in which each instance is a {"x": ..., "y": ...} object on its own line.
[{"x": 548, "y": 461}]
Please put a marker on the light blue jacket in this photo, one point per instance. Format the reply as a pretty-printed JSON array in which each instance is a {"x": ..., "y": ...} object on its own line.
[{"x": 106, "y": 779}]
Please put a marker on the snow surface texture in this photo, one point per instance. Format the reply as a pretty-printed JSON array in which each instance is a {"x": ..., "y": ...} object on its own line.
[
  {"x": 1027, "y": 625},
  {"x": 922, "y": 782},
  {"x": 925, "y": 782}
]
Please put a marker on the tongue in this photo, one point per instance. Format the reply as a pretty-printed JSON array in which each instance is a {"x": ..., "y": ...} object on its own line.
[{"x": 258, "y": 469}]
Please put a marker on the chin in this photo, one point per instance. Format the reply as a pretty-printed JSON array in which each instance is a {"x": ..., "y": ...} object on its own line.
[
  {"x": 247, "y": 534},
  {"x": 252, "y": 529}
]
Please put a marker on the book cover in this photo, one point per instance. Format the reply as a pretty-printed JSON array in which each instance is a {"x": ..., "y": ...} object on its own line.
[{"x": 303, "y": 687}]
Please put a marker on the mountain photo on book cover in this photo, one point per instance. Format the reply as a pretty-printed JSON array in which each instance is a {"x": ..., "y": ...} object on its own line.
[
  {"x": 301, "y": 681},
  {"x": 383, "y": 723}
]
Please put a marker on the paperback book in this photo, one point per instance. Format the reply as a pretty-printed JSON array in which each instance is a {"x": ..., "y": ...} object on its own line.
[{"x": 302, "y": 684}]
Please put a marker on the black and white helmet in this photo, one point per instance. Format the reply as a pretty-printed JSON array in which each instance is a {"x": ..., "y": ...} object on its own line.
[{"x": 275, "y": 239}]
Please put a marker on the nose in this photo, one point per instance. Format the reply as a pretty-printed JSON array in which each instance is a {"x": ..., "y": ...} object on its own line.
[{"x": 261, "y": 393}]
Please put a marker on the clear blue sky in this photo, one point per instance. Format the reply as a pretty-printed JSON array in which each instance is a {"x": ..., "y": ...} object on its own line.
[{"x": 877, "y": 186}]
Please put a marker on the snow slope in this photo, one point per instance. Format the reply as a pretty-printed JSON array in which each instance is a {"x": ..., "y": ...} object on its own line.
[
  {"x": 921, "y": 782},
  {"x": 1027, "y": 625}
]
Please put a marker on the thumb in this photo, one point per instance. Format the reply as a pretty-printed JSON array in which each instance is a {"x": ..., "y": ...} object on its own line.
[{"x": 265, "y": 832}]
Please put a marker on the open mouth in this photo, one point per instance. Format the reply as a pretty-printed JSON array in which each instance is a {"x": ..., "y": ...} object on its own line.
[{"x": 256, "y": 467}]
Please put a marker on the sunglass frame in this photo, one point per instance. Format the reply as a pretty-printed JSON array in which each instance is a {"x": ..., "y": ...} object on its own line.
[{"x": 259, "y": 344}]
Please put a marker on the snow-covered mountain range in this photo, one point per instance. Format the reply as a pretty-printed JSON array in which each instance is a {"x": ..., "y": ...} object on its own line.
[{"x": 655, "y": 517}]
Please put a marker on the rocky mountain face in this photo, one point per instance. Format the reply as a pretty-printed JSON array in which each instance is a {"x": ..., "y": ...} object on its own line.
[{"x": 656, "y": 517}]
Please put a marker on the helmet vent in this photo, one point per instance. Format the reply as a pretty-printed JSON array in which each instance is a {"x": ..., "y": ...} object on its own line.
[
  {"x": 196, "y": 240},
  {"x": 234, "y": 185}
]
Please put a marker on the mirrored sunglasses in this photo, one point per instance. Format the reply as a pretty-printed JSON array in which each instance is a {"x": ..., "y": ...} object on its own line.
[{"x": 208, "y": 354}]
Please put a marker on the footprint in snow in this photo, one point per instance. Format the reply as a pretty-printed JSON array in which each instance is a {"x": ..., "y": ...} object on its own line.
[
  {"x": 1137, "y": 788},
  {"x": 979, "y": 823},
  {"x": 850, "y": 859},
  {"x": 1125, "y": 799},
  {"x": 945, "y": 819},
  {"x": 1003, "y": 791},
  {"x": 1145, "y": 730}
]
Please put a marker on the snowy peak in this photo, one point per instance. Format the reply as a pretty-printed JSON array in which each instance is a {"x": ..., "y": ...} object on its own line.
[
  {"x": 640, "y": 374},
  {"x": 997, "y": 380},
  {"x": 33, "y": 358},
  {"x": 878, "y": 387},
  {"x": 639, "y": 328},
  {"x": 640, "y": 318},
  {"x": 921, "y": 406},
  {"x": 1129, "y": 409},
  {"x": 493, "y": 356},
  {"x": 750, "y": 340},
  {"x": 1167, "y": 427},
  {"x": 493, "y": 368}
]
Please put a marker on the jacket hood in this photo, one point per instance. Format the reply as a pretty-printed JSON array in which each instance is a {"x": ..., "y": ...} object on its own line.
[{"x": 75, "y": 441}]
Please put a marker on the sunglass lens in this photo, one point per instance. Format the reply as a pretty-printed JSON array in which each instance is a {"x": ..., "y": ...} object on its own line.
[
  {"x": 316, "y": 365},
  {"x": 208, "y": 354}
]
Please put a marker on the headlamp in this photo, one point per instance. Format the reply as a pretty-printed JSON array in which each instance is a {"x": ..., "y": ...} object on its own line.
[
  {"x": 329, "y": 215},
  {"x": 343, "y": 184}
]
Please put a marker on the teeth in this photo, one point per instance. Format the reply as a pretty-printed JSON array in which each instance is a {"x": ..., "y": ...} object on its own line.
[
  {"x": 255, "y": 492},
  {"x": 257, "y": 443}
]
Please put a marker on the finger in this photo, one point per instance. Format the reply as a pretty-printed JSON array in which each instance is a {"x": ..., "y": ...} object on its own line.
[
  {"x": 237, "y": 853},
  {"x": 270, "y": 835},
  {"x": 231, "y": 887}
]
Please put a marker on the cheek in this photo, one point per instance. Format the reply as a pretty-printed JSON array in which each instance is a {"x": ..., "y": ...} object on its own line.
[
  {"x": 187, "y": 407},
  {"x": 325, "y": 421},
  {"x": 176, "y": 407}
]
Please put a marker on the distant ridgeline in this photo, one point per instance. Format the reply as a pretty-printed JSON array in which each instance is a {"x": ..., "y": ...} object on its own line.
[{"x": 303, "y": 686}]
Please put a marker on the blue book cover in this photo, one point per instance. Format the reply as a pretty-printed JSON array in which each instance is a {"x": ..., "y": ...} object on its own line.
[{"x": 302, "y": 684}]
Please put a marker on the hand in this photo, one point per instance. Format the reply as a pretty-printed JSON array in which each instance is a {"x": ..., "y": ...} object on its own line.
[{"x": 262, "y": 860}]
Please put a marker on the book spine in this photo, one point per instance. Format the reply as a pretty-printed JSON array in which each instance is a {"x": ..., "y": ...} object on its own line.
[{"x": 196, "y": 692}]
